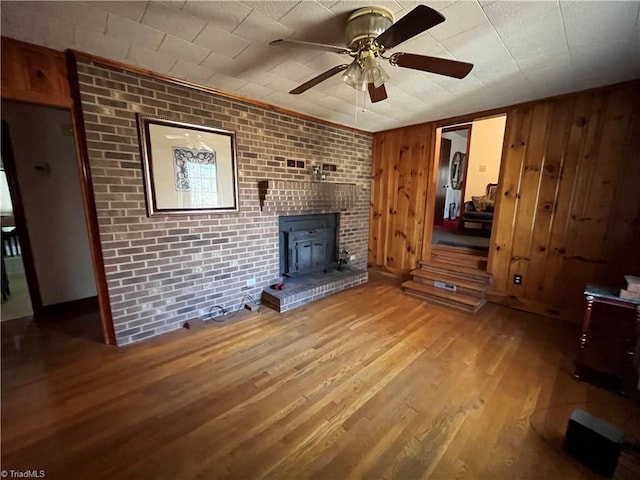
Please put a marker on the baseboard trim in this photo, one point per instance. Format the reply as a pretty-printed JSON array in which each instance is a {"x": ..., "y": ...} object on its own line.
[
  {"x": 82, "y": 305},
  {"x": 530, "y": 306}
]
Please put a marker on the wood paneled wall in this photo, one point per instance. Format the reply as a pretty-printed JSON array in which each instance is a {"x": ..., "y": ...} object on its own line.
[
  {"x": 34, "y": 74},
  {"x": 569, "y": 212},
  {"x": 400, "y": 176},
  {"x": 569, "y": 207}
]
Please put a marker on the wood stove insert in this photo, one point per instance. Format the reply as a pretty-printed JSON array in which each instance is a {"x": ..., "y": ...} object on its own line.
[{"x": 308, "y": 243}]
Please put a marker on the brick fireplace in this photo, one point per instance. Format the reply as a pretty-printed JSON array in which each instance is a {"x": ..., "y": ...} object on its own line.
[
  {"x": 163, "y": 271},
  {"x": 309, "y": 240}
]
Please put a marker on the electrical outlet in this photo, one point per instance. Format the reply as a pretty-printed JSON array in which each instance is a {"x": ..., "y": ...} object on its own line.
[
  {"x": 517, "y": 279},
  {"x": 251, "y": 282},
  {"x": 352, "y": 258}
]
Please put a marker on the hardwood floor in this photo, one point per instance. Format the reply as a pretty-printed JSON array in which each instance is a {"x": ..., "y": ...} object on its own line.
[{"x": 368, "y": 383}]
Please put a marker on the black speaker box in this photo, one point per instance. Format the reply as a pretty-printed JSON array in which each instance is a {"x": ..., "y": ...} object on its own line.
[{"x": 594, "y": 442}]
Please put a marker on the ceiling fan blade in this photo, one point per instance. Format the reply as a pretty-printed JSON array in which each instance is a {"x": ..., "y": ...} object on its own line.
[
  {"x": 377, "y": 94},
  {"x": 316, "y": 80},
  {"x": 441, "y": 66},
  {"x": 416, "y": 21},
  {"x": 316, "y": 46}
]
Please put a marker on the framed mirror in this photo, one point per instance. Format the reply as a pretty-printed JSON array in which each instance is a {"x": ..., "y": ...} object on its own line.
[{"x": 458, "y": 164}]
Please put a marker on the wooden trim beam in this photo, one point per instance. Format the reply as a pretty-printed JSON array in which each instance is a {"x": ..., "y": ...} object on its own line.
[
  {"x": 37, "y": 98},
  {"x": 89, "y": 203},
  {"x": 499, "y": 192},
  {"x": 34, "y": 74},
  {"x": 457, "y": 128},
  {"x": 214, "y": 91},
  {"x": 433, "y": 155}
]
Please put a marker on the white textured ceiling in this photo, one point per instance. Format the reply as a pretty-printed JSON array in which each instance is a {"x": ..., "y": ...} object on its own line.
[{"x": 521, "y": 50}]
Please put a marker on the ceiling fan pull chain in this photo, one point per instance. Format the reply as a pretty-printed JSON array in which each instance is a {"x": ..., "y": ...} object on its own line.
[{"x": 356, "y": 112}]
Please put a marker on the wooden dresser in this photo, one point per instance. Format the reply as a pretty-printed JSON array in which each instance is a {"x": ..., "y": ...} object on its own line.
[{"x": 608, "y": 349}]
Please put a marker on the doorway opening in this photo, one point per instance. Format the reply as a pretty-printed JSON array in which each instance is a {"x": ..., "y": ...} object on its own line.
[
  {"x": 468, "y": 160},
  {"x": 16, "y": 301},
  {"x": 40, "y": 161}
]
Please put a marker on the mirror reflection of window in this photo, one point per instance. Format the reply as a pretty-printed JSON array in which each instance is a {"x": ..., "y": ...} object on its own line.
[
  {"x": 203, "y": 183},
  {"x": 197, "y": 173}
]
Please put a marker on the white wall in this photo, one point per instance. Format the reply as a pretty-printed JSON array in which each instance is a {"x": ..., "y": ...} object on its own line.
[
  {"x": 458, "y": 144},
  {"x": 485, "y": 153},
  {"x": 41, "y": 136},
  {"x": 5, "y": 198}
]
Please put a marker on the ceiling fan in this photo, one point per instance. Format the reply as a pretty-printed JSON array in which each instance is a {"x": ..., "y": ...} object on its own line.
[{"x": 369, "y": 33}]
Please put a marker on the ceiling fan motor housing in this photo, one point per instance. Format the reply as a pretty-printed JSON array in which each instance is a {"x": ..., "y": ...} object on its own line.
[{"x": 366, "y": 24}]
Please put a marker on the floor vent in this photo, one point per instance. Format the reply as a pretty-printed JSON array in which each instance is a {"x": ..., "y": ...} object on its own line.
[{"x": 446, "y": 286}]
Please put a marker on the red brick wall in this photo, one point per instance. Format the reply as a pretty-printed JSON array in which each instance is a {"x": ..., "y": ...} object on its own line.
[{"x": 163, "y": 271}]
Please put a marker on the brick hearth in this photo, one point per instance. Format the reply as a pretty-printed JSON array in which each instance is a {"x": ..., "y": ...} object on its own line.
[{"x": 308, "y": 288}]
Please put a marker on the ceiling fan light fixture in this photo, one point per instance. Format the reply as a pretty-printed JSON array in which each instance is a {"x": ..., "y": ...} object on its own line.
[
  {"x": 373, "y": 72},
  {"x": 353, "y": 77},
  {"x": 379, "y": 76}
]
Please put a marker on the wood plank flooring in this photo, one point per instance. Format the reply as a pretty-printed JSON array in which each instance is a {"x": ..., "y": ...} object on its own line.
[{"x": 369, "y": 383}]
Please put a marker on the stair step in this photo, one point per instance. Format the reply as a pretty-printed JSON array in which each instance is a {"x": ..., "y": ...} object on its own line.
[
  {"x": 454, "y": 262},
  {"x": 443, "y": 297},
  {"x": 460, "y": 258},
  {"x": 446, "y": 303},
  {"x": 459, "y": 251},
  {"x": 460, "y": 271},
  {"x": 465, "y": 286}
]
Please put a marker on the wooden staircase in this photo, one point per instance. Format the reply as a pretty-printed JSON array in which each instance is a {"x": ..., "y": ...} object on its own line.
[{"x": 453, "y": 276}]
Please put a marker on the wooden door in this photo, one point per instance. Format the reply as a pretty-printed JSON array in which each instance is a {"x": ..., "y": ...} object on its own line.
[{"x": 443, "y": 180}]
